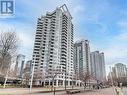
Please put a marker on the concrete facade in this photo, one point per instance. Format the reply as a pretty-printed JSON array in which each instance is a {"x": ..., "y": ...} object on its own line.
[
  {"x": 19, "y": 66},
  {"x": 53, "y": 47},
  {"x": 81, "y": 59},
  {"x": 120, "y": 70},
  {"x": 98, "y": 66}
]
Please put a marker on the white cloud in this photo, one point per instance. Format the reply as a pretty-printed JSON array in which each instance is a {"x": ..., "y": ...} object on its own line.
[
  {"x": 123, "y": 36},
  {"x": 26, "y": 40},
  {"x": 122, "y": 24},
  {"x": 26, "y": 44},
  {"x": 78, "y": 9},
  {"x": 93, "y": 47},
  {"x": 116, "y": 51},
  {"x": 6, "y": 27}
]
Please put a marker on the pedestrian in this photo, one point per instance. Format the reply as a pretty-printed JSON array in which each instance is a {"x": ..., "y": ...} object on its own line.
[
  {"x": 93, "y": 86},
  {"x": 98, "y": 87}
]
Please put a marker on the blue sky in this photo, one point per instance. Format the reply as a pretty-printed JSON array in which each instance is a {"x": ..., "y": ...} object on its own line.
[{"x": 103, "y": 22}]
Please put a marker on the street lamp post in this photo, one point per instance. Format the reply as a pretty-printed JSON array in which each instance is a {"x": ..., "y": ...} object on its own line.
[
  {"x": 6, "y": 76},
  {"x": 32, "y": 74},
  {"x": 65, "y": 76}
]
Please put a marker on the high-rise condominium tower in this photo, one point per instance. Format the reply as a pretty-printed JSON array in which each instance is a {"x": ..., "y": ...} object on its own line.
[
  {"x": 120, "y": 70},
  {"x": 98, "y": 66},
  {"x": 19, "y": 66},
  {"x": 53, "y": 47},
  {"x": 82, "y": 59}
]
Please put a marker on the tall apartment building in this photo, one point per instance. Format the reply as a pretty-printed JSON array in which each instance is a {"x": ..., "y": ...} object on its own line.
[
  {"x": 27, "y": 71},
  {"x": 98, "y": 66},
  {"x": 81, "y": 59},
  {"x": 120, "y": 70},
  {"x": 19, "y": 66},
  {"x": 113, "y": 73},
  {"x": 28, "y": 66},
  {"x": 53, "y": 47}
]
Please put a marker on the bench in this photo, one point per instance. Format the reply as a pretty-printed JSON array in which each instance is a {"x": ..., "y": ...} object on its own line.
[{"x": 72, "y": 91}]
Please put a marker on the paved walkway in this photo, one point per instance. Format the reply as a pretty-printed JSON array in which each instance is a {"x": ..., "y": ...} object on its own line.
[
  {"x": 119, "y": 91},
  {"x": 124, "y": 90},
  {"x": 35, "y": 91},
  {"x": 106, "y": 91},
  {"x": 23, "y": 91}
]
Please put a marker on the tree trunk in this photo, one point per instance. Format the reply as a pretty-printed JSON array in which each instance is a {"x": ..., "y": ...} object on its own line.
[
  {"x": 2, "y": 62},
  {"x": 52, "y": 84}
]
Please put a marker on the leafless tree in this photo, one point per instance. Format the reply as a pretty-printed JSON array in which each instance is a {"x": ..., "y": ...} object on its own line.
[
  {"x": 38, "y": 75},
  {"x": 11, "y": 73},
  {"x": 87, "y": 76},
  {"x": 53, "y": 74},
  {"x": 8, "y": 47},
  {"x": 26, "y": 78}
]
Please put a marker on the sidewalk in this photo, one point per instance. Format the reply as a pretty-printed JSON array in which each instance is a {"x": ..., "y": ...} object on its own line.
[
  {"x": 40, "y": 91},
  {"x": 23, "y": 91},
  {"x": 106, "y": 91},
  {"x": 119, "y": 91}
]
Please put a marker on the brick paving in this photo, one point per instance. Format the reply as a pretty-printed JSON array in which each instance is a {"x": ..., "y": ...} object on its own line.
[
  {"x": 24, "y": 91},
  {"x": 106, "y": 91}
]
